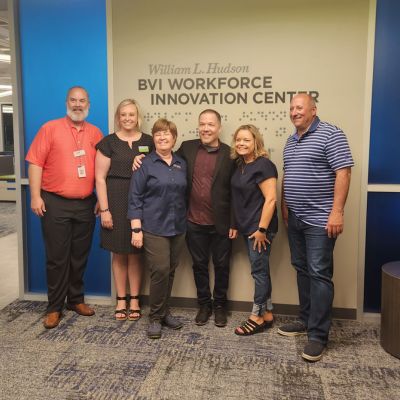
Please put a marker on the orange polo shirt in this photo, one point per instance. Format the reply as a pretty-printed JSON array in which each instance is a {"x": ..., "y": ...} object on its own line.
[{"x": 56, "y": 149}]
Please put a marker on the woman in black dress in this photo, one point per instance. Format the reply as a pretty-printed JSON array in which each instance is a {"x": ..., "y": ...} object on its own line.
[{"x": 114, "y": 158}]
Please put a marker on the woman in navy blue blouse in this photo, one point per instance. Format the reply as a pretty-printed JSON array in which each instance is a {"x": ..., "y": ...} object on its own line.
[
  {"x": 254, "y": 203},
  {"x": 157, "y": 210}
]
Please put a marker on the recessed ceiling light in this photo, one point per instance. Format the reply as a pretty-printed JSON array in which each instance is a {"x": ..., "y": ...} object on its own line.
[
  {"x": 6, "y": 93},
  {"x": 5, "y": 58}
]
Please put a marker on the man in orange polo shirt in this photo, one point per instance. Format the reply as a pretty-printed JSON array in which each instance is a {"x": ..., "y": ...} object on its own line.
[{"x": 61, "y": 181}]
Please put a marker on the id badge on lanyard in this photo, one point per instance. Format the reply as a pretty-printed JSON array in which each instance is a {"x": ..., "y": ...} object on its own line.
[
  {"x": 81, "y": 168},
  {"x": 81, "y": 171}
]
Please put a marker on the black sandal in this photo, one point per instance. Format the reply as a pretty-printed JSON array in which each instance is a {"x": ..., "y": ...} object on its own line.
[
  {"x": 250, "y": 327},
  {"x": 122, "y": 311},
  {"x": 134, "y": 315}
]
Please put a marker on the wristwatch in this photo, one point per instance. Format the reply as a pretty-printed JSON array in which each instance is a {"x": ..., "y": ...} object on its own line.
[
  {"x": 262, "y": 230},
  {"x": 136, "y": 230}
]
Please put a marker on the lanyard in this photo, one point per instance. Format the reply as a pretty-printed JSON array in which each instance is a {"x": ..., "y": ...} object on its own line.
[{"x": 79, "y": 152}]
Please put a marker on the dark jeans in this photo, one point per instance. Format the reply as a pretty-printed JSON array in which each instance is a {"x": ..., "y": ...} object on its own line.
[
  {"x": 259, "y": 262},
  {"x": 312, "y": 256},
  {"x": 162, "y": 258},
  {"x": 203, "y": 240},
  {"x": 67, "y": 227}
]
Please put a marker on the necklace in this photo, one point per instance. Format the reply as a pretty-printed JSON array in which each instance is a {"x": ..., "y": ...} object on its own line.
[{"x": 244, "y": 163}]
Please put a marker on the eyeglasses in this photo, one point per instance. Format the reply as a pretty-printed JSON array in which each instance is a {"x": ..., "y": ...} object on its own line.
[{"x": 162, "y": 134}]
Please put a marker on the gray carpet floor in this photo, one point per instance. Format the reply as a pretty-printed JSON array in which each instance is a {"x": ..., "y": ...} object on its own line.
[
  {"x": 101, "y": 359},
  {"x": 7, "y": 218}
]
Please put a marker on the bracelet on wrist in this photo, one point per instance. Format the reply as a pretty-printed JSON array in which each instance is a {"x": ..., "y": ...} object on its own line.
[
  {"x": 136, "y": 230},
  {"x": 103, "y": 211}
]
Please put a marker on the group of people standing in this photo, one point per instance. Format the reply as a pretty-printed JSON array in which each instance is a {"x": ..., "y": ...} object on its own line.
[{"x": 151, "y": 199}]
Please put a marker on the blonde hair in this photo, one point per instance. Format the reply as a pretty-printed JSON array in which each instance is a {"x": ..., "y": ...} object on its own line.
[
  {"x": 259, "y": 149},
  {"x": 124, "y": 103}
]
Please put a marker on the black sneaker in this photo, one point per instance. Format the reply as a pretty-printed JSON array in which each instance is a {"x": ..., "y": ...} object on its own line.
[
  {"x": 203, "y": 314},
  {"x": 293, "y": 329},
  {"x": 313, "y": 351},
  {"x": 220, "y": 316},
  {"x": 171, "y": 322},
  {"x": 154, "y": 330}
]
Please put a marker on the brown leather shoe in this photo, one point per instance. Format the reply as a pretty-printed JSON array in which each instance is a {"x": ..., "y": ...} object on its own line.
[
  {"x": 81, "y": 309},
  {"x": 52, "y": 319}
]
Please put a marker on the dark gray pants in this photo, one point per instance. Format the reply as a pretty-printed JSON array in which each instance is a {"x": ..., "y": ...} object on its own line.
[
  {"x": 67, "y": 228},
  {"x": 203, "y": 240},
  {"x": 162, "y": 258}
]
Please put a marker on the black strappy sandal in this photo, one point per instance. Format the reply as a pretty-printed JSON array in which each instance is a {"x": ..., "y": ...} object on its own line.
[
  {"x": 250, "y": 327},
  {"x": 134, "y": 315},
  {"x": 122, "y": 311}
]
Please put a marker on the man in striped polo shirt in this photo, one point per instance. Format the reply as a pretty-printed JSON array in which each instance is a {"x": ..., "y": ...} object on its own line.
[{"x": 317, "y": 169}]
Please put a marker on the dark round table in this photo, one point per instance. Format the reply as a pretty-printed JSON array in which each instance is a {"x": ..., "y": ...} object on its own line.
[{"x": 390, "y": 308}]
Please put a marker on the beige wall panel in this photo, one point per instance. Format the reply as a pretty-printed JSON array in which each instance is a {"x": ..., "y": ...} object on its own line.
[{"x": 316, "y": 46}]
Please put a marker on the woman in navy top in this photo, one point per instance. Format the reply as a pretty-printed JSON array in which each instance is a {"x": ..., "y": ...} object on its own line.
[
  {"x": 254, "y": 203},
  {"x": 157, "y": 210}
]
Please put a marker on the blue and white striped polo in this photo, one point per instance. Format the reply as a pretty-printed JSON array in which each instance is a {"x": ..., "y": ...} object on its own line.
[{"x": 309, "y": 164}]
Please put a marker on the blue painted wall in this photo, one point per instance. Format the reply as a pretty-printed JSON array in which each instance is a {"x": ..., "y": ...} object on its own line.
[
  {"x": 382, "y": 243},
  {"x": 383, "y": 214},
  {"x": 384, "y": 160},
  {"x": 63, "y": 43}
]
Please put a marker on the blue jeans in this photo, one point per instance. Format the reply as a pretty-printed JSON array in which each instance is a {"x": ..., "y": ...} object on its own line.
[
  {"x": 259, "y": 263},
  {"x": 312, "y": 256}
]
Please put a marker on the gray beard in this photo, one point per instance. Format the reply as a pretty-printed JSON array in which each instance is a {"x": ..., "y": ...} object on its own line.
[{"x": 77, "y": 118}]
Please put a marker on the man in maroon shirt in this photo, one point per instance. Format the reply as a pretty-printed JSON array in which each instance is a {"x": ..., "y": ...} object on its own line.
[{"x": 210, "y": 225}]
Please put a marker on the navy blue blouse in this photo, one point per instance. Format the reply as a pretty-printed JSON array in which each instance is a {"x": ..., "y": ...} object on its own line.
[
  {"x": 247, "y": 197},
  {"x": 157, "y": 195}
]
